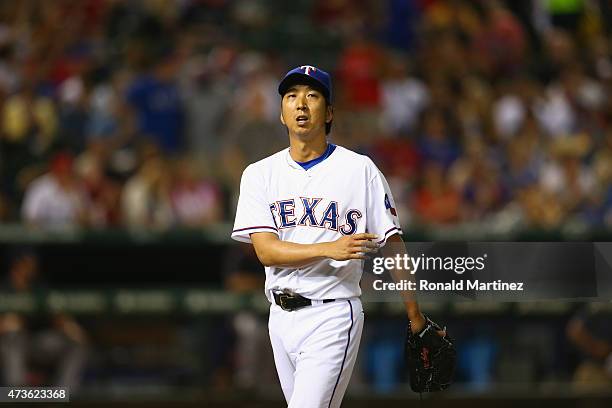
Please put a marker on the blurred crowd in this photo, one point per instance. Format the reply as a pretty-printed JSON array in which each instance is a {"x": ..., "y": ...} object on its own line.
[{"x": 135, "y": 113}]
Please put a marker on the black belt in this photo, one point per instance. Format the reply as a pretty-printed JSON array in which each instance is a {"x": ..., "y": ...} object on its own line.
[{"x": 291, "y": 302}]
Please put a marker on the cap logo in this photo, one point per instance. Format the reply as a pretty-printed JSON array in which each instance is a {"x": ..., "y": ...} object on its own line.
[{"x": 307, "y": 69}]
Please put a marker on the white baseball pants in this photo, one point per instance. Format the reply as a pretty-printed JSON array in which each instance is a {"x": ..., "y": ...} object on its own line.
[{"x": 315, "y": 349}]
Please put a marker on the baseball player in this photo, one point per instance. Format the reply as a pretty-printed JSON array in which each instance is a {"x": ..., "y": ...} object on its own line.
[{"x": 313, "y": 211}]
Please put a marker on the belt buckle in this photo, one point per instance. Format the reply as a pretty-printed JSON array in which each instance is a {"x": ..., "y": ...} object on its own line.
[{"x": 282, "y": 298}]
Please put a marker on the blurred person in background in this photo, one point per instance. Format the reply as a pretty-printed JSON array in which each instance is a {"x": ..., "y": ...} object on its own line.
[
  {"x": 74, "y": 110},
  {"x": 571, "y": 103},
  {"x": 29, "y": 125},
  {"x": 399, "y": 160},
  {"x": 522, "y": 163},
  {"x": 207, "y": 89},
  {"x": 145, "y": 199},
  {"x": 477, "y": 179},
  {"x": 403, "y": 96},
  {"x": 436, "y": 142},
  {"x": 559, "y": 51},
  {"x": 57, "y": 198},
  {"x": 252, "y": 131},
  {"x": 196, "y": 201},
  {"x": 500, "y": 44},
  {"x": 36, "y": 351},
  {"x": 109, "y": 120},
  {"x": 156, "y": 104},
  {"x": 538, "y": 208},
  {"x": 359, "y": 69},
  {"x": 566, "y": 176},
  {"x": 474, "y": 110},
  {"x": 29, "y": 121},
  {"x": 590, "y": 331},
  {"x": 436, "y": 202},
  {"x": 511, "y": 109},
  {"x": 253, "y": 369},
  {"x": 103, "y": 192},
  {"x": 339, "y": 17}
]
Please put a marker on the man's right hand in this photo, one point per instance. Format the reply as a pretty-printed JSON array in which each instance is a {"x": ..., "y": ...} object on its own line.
[{"x": 352, "y": 247}]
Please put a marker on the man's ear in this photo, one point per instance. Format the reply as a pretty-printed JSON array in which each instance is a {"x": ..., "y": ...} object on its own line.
[
  {"x": 329, "y": 116},
  {"x": 282, "y": 119}
]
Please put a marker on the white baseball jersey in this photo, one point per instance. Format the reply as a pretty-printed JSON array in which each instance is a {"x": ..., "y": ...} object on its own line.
[{"x": 342, "y": 195}]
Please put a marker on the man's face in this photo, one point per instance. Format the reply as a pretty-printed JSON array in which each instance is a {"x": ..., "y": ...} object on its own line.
[{"x": 304, "y": 111}]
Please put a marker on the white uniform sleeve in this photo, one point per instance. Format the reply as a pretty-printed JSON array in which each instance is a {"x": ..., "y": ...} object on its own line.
[
  {"x": 253, "y": 213},
  {"x": 382, "y": 218}
]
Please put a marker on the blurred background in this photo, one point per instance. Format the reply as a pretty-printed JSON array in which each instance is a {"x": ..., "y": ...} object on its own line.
[{"x": 125, "y": 126}]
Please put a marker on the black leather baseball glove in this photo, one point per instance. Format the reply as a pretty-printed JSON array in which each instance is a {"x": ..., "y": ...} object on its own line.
[{"x": 431, "y": 358}]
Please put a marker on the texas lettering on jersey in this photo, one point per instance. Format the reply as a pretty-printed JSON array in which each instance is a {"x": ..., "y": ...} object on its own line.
[{"x": 314, "y": 212}]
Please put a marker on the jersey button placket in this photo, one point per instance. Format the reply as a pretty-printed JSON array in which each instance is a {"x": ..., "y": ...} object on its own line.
[
  {"x": 305, "y": 180},
  {"x": 304, "y": 192}
]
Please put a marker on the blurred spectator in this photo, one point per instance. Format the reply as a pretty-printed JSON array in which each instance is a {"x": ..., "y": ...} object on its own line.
[
  {"x": 29, "y": 120},
  {"x": 103, "y": 193},
  {"x": 33, "y": 352},
  {"x": 359, "y": 69},
  {"x": 539, "y": 209},
  {"x": 435, "y": 143},
  {"x": 258, "y": 88},
  {"x": 29, "y": 126},
  {"x": 104, "y": 121},
  {"x": 600, "y": 57},
  {"x": 57, "y": 198},
  {"x": 155, "y": 98},
  {"x": 196, "y": 201},
  {"x": 472, "y": 115},
  {"x": 567, "y": 177},
  {"x": 339, "y": 16},
  {"x": 501, "y": 44},
  {"x": 253, "y": 130},
  {"x": 401, "y": 22},
  {"x": 477, "y": 178},
  {"x": 560, "y": 51},
  {"x": 145, "y": 200},
  {"x": 207, "y": 89},
  {"x": 242, "y": 270},
  {"x": 404, "y": 97},
  {"x": 73, "y": 112},
  {"x": 591, "y": 332},
  {"x": 396, "y": 157},
  {"x": 243, "y": 275},
  {"x": 522, "y": 163},
  {"x": 436, "y": 201}
]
